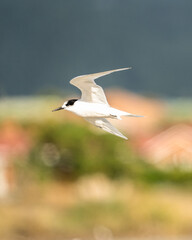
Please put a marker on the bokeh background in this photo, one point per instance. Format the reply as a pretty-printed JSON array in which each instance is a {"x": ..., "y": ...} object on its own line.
[{"x": 61, "y": 178}]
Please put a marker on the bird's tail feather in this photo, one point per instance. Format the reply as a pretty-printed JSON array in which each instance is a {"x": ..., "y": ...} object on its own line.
[
  {"x": 132, "y": 115},
  {"x": 126, "y": 114}
]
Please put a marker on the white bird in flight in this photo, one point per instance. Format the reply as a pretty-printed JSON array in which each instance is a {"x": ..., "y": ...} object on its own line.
[{"x": 93, "y": 105}]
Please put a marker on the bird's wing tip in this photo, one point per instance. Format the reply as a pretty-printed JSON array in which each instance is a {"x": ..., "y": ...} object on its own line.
[
  {"x": 122, "y": 69},
  {"x": 122, "y": 136}
]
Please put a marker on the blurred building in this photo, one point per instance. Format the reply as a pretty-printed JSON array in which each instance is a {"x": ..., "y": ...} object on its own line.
[{"x": 173, "y": 146}]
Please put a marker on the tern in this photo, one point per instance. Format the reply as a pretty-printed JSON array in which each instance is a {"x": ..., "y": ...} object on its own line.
[{"x": 93, "y": 105}]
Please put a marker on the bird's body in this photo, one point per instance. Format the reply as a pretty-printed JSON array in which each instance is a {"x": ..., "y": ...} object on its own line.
[
  {"x": 87, "y": 109},
  {"x": 93, "y": 105}
]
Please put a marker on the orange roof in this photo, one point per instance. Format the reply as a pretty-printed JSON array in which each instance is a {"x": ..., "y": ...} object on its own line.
[{"x": 13, "y": 139}]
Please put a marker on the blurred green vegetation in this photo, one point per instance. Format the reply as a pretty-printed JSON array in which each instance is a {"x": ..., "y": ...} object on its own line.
[{"x": 67, "y": 151}]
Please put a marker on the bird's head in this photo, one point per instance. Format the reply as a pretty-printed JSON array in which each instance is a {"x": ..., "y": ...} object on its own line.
[{"x": 66, "y": 105}]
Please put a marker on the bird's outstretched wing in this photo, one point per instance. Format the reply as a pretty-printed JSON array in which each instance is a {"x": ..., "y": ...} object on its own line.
[
  {"x": 105, "y": 125},
  {"x": 91, "y": 92}
]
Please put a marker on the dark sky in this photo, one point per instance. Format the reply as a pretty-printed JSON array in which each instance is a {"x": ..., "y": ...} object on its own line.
[{"x": 44, "y": 43}]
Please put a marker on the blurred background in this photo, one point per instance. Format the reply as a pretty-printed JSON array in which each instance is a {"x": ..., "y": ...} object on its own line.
[{"x": 61, "y": 178}]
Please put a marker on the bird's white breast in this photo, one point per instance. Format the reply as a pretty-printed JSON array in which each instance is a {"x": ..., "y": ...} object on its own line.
[{"x": 86, "y": 109}]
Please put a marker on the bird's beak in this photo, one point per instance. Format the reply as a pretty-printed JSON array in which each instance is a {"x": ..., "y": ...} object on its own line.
[{"x": 57, "y": 109}]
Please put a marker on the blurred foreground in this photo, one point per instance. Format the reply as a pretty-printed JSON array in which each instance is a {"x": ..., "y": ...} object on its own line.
[{"x": 61, "y": 178}]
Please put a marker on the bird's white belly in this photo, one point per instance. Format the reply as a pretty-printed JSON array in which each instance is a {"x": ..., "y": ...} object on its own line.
[{"x": 85, "y": 109}]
